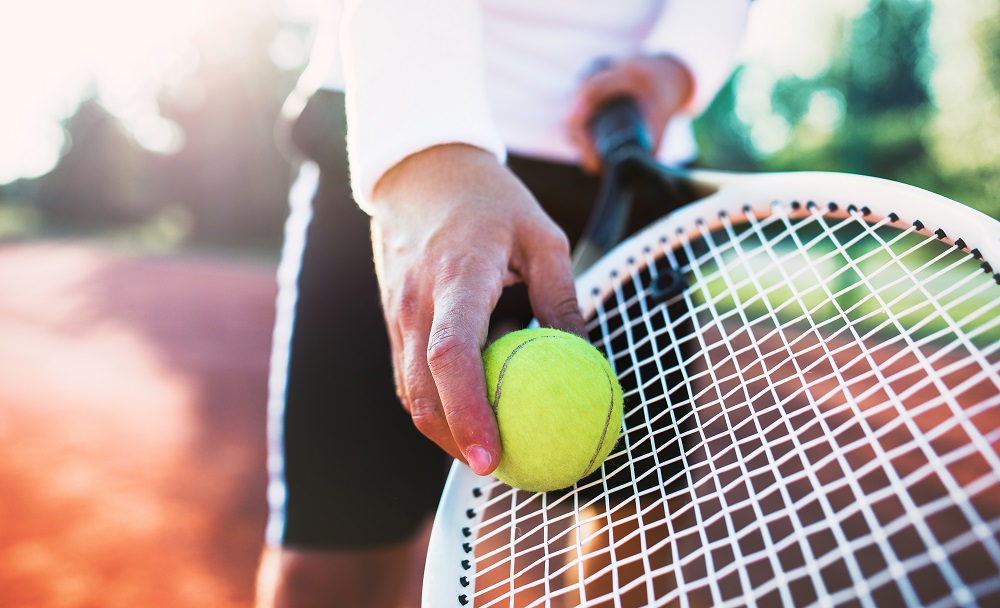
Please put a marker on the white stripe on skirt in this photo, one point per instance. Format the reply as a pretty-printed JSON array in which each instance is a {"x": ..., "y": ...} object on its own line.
[{"x": 300, "y": 202}]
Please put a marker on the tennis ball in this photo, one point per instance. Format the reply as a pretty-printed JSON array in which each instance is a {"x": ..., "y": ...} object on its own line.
[{"x": 558, "y": 406}]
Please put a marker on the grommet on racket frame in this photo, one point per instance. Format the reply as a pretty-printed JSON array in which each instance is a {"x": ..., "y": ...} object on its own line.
[{"x": 811, "y": 365}]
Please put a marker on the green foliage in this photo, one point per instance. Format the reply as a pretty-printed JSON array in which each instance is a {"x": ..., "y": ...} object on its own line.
[
  {"x": 879, "y": 80},
  {"x": 888, "y": 62},
  {"x": 724, "y": 139}
]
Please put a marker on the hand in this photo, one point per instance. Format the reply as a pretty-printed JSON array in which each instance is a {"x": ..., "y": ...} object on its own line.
[
  {"x": 658, "y": 83},
  {"x": 451, "y": 227}
]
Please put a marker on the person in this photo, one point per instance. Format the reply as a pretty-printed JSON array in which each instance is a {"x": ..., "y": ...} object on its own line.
[{"x": 470, "y": 176}]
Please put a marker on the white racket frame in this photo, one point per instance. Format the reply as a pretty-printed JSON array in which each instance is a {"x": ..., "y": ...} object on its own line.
[{"x": 445, "y": 576}]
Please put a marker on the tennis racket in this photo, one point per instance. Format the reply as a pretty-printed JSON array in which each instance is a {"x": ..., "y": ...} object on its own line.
[{"x": 811, "y": 365}]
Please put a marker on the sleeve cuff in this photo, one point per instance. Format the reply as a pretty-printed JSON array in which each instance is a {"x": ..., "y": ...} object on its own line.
[{"x": 400, "y": 101}]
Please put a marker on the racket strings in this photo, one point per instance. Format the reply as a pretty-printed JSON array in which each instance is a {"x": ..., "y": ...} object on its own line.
[
  {"x": 813, "y": 418},
  {"x": 718, "y": 251},
  {"x": 883, "y": 380}
]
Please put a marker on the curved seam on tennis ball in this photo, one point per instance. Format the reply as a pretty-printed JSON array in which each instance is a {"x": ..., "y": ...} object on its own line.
[
  {"x": 611, "y": 400},
  {"x": 607, "y": 423},
  {"x": 503, "y": 369}
]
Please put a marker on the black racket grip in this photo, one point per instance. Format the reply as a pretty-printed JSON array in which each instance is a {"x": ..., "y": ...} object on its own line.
[{"x": 620, "y": 133}]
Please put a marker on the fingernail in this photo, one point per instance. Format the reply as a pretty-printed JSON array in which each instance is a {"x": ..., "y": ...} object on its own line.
[{"x": 479, "y": 460}]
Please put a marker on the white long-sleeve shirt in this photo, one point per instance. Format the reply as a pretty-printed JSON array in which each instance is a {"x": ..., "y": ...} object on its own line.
[{"x": 500, "y": 74}]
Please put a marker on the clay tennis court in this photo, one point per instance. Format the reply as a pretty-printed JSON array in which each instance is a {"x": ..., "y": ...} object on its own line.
[{"x": 132, "y": 416}]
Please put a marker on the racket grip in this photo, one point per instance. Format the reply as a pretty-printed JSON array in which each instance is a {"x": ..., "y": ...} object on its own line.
[{"x": 620, "y": 133}]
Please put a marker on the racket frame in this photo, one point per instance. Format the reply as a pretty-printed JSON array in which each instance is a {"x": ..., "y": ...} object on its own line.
[{"x": 450, "y": 564}]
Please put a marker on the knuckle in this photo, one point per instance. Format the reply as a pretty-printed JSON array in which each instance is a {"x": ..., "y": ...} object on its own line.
[
  {"x": 636, "y": 77},
  {"x": 551, "y": 238},
  {"x": 427, "y": 416},
  {"x": 467, "y": 263},
  {"x": 451, "y": 268},
  {"x": 566, "y": 306},
  {"x": 408, "y": 304},
  {"x": 560, "y": 242},
  {"x": 461, "y": 414},
  {"x": 444, "y": 349},
  {"x": 634, "y": 69}
]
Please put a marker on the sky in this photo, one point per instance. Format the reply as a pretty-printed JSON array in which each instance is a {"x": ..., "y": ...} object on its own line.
[
  {"x": 66, "y": 49},
  {"x": 56, "y": 52}
]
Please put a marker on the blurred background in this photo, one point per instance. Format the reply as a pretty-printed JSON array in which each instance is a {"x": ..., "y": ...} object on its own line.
[
  {"x": 142, "y": 198},
  {"x": 158, "y": 117}
]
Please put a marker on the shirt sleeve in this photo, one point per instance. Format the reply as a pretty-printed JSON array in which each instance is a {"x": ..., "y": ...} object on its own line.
[
  {"x": 704, "y": 36},
  {"x": 414, "y": 75}
]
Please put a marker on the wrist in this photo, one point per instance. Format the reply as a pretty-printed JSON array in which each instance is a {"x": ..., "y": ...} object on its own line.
[{"x": 431, "y": 167}]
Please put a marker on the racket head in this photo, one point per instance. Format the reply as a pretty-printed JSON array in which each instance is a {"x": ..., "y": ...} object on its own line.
[
  {"x": 735, "y": 195},
  {"x": 961, "y": 238}
]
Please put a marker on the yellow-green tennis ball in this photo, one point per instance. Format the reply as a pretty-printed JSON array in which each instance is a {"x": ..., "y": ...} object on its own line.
[{"x": 558, "y": 406}]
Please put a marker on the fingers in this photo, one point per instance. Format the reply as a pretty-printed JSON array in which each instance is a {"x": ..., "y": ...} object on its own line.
[
  {"x": 577, "y": 127},
  {"x": 454, "y": 357},
  {"x": 442, "y": 370},
  {"x": 392, "y": 329},
  {"x": 625, "y": 78},
  {"x": 610, "y": 80},
  {"x": 551, "y": 287},
  {"x": 451, "y": 228},
  {"x": 415, "y": 383},
  {"x": 408, "y": 305},
  {"x": 443, "y": 367},
  {"x": 659, "y": 84}
]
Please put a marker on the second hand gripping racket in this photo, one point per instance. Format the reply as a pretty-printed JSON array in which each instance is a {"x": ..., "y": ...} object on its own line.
[{"x": 811, "y": 365}]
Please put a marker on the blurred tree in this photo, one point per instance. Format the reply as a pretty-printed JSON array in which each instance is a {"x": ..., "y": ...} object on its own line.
[
  {"x": 877, "y": 87},
  {"x": 964, "y": 139},
  {"x": 229, "y": 175},
  {"x": 887, "y": 104},
  {"x": 912, "y": 93},
  {"x": 226, "y": 184},
  {"x": 884, "y": 84},
  {"x": 101, "y": 179},
  {"x": 723, "y": 139}
]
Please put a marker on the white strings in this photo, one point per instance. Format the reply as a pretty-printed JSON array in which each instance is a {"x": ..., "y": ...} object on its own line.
[{"x": 813, "y": 420}]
